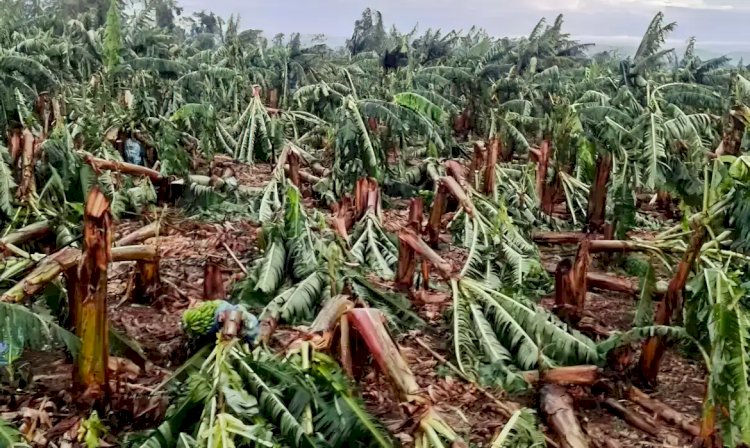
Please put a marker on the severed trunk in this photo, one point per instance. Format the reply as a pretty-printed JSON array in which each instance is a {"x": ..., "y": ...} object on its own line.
[
  {"x": 653, "y": 348},
  {"x": 416, "y": 212},
  {"x": 294, "y": 165},
  {"x": 74, "y": 305},
  {"x": 627, "y": 285},
  {"x": 439, "y": 204},
  {"x": 366, "y": 197},
  {"x": 459, "y": 193},
  {"x": 598, "y": 194},
  {"x": 425, "y": 275},
  {"x": 633, "y": 418},
  {"x": 26, "y": 184},
  {"x": 558, "y": 408},
  {"x": 664, "y": 412},
  {"x": 14, "y": 143},
  {"x": 273, "y": 98},
  {"x": 732, "y": 141},
  {"x": 147, "y": 281},
  {"x": 708, "y": 437},
  {"x": 456, "y": 171},
  {"x": 369, "y": 324},
  {"x": 329, "y": 315},
  {"x": 565, "y": 376},
  {"x": 90, "y": 376},
  {"x": 213, "y": 283},
  {"x": 425, "y": 251},
  {"x": 580, "y": 271},
  {"x": 565, "y": 291},
  {"x": 570, "y": 285},
  {"x": 345, "y": 348},
  {"x": 489, "y": 169},
  {"x": 541, "y": 169},
  {"x": 477, "y": 161},
  {"x": 407, "y": 265}
]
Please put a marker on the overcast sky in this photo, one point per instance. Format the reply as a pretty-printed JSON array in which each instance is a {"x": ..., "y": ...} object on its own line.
[{"x": 714, "y": 22}]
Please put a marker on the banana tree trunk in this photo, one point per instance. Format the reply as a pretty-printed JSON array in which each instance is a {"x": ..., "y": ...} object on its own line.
[
  {"x": 63, "y": 260},
  {"x": 273, "y": 98},
  {"x": 570, "y": 285},
  {"x": 24, "y": 234},
  {"x": 633, "y": 418},
  {"x": 26, "y": 185},
  {"x": 122, "y": 167},
  {"x": 653, "y": 348},
  {"x": 549, "y": 238},
  {"x": 597, "y": 205},
  {"x": 664, "y": 412},
  {"x": 542, "y": 156},
  {"x": 425, "y": 251},
  {"x": 147, "y": 281},
  {"x": 416, "y": 212},
  {"x": 213, "y": 283},
  {"x": 407, "y": 265},
  {"x": 459, "y": 193},
  {"x": 456, "y": 171},
  {"x": 565, "y": 376},
  {"x": 142, "y": 234},
  {"x": 558, "y": 407},
  {"x": 477, "y": 161},
  {"x": 293, "y": 172},
  {"x": 732, "y": 141},
  {"x": 90, "y": 376},
  {"x": 489, "y": 169},
  {"x": 439, "y": 204},
  {"x": 14, "y": 145},
  {"x": 369, "y": 324}
]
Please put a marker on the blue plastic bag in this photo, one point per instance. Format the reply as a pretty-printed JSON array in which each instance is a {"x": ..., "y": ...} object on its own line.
[{"x": 133, "y": 152}]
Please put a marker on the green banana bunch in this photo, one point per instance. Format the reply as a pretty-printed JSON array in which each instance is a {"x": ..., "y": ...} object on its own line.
[{"x": 198, "y": 321}]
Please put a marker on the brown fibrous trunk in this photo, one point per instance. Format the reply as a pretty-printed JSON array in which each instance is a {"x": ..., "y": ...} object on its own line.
[
  {"x": 477, "y": 161},
  {"x": 26, "y": 185},
  {"x": 653, "y": 348},
  {"x": 565, "y": 376},
  {"x": 489, "y": 169},
  {"x": 570, "y": 285},
  {"x": 597, "y": 205},
  {"x": 664, "y": 412},
  {"x": 558, "y": 408},
  {"x": 439, "y": 204},
  {"x": 147, "y": 281},
  {"x": 294, "y": 165},
  {"x": 633, "y": 418},
  {"x": 213, "y": 283},
  {"x": 91, "y": 373}
]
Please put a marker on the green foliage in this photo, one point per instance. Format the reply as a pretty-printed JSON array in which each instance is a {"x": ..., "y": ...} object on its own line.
[
  {"x": 112, "y": 45},
  {"x": 22, "y": 327},
  {"x": 511, "y": 331},
  {"x": 6, "y": 183},
  {"x": 10, "y": 437}
]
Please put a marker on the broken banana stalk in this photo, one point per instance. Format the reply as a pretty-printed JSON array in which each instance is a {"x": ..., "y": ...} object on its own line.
[
  {"x": 52, "y": 266},
  {"x": 432, "y": 429}
]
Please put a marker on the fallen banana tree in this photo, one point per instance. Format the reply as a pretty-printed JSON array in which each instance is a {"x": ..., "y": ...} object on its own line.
[
  {"x": 50, "y": 267},
  {"x": 9, "y": 242}
]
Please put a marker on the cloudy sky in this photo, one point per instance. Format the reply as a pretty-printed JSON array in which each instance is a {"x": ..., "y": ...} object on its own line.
[{"x": 722, "y": 23}]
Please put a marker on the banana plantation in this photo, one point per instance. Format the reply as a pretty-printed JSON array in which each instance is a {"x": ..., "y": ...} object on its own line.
[{"x": 211, "y": 237}]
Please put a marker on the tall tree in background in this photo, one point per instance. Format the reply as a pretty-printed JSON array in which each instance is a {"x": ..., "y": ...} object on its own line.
[{"x": 369, "y": 33}]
